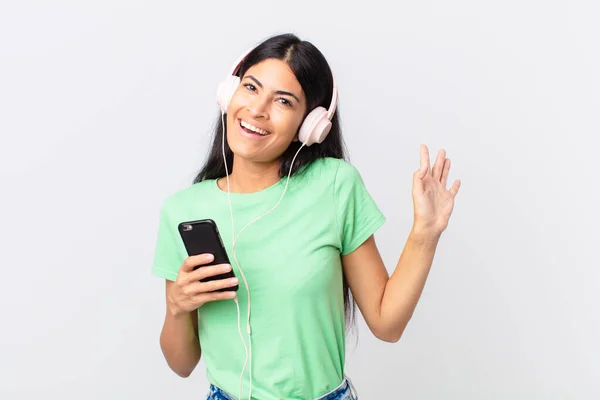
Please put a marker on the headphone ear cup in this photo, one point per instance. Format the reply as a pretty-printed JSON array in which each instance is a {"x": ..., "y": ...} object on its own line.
[
  {"x": 315, "y": 128},
  {"x": 225, "y": 91}
]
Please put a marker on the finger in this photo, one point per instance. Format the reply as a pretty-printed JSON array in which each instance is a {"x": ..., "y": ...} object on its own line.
[
  {"x": 193, "y": 261},
  {"x": 197, "y": 287},
  {"x": 424, "y": 158},
  {"x": 420, "y": 173},
  {"x": 455, "y": 187},
  {"x": 208, "y": 271},
  {"x": 213, "y": 296},
  {"x": 438, "y": 166},
  {"x": 445, "y": 172}
]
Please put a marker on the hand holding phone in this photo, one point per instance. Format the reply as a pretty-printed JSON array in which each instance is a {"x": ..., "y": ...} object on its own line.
[
  {"x": 203, "y": 237},
  {"x": 195, "y": 286}
]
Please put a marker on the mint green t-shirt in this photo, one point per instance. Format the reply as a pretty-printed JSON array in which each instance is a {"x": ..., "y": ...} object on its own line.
[{"x": 291, "y": 259}]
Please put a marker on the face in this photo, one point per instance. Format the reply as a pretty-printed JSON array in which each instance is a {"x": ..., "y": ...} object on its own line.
[{"x": 265, "y": 112}]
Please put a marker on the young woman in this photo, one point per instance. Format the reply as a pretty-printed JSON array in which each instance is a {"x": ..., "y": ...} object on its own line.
[{"x": 298, "y": 223}]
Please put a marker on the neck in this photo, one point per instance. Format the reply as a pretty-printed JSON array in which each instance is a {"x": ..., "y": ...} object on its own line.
[{"x": 250, "y": 177}]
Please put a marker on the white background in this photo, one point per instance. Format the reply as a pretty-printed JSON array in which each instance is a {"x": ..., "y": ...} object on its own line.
[{"x": 106, "y": 108}]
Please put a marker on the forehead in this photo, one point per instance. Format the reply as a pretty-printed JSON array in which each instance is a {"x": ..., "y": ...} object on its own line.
[{"x": 275, "y": 74}]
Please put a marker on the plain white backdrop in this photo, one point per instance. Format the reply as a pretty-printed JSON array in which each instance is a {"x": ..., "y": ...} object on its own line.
[{"x": 106, "y": 108}]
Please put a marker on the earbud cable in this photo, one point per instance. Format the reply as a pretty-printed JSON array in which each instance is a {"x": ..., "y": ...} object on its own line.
[{"x": 248, "y": 348}]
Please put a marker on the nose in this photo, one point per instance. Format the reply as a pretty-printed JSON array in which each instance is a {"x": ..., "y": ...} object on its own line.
[{"x": 259, "y": 107}]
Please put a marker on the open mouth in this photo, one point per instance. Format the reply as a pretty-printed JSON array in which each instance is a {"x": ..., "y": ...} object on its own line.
[{"x": 251, "y": 129}]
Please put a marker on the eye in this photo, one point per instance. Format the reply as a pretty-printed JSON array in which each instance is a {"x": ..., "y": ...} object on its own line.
[
  {"x": 250, "y": 87},
  {"x": 284, "y": 101}
]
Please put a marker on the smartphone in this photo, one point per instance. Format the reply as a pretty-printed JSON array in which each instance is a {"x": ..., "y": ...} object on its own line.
[{"x": 202, "y": 236}]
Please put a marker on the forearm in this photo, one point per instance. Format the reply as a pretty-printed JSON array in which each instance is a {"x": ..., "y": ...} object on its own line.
[
  {"x": 405, "y": 286},
  {"x": 179, "y": 343}
]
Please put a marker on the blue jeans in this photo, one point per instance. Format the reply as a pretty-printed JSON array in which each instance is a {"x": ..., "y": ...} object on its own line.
[{"x": 343, "y": 392}]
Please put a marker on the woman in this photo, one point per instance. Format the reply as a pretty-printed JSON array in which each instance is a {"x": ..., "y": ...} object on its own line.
[{"x": 307, "y": 253}]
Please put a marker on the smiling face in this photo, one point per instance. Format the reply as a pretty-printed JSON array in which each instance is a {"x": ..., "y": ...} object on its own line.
[{"x": 265, "y": 112}]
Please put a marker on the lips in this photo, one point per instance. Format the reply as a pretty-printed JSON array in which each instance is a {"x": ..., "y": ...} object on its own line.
[{"x": 252, "y": 129}]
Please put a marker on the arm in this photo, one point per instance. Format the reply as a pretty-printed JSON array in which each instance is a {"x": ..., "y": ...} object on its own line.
[
  {"x": 179, "y": 339},
  {"x": 388, "y": 303}
]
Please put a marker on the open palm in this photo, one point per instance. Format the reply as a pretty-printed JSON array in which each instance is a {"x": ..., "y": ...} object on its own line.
[{"x": 433, "y": 203}]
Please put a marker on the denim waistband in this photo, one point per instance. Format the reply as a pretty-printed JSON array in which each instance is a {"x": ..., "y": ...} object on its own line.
[{"x": 345, "y": 391}]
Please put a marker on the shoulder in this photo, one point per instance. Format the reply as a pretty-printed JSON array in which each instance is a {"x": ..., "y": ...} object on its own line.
[
  {"x": 338, "y": 170},
  {"x": 333, "y": 175}
]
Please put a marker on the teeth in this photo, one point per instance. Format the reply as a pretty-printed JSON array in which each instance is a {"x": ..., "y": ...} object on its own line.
[{"x": 253, "y": 128}]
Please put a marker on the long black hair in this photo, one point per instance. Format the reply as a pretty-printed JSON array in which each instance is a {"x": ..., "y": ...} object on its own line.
[{"x": 316, "y": 79}]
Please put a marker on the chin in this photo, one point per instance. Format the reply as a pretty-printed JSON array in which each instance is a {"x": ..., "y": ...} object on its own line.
[{"x": 250, "y": 153}]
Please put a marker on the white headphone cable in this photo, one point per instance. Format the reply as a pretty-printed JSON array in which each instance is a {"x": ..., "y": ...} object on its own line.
[
  {"x": 235, "y": 238},
  {"x": 236, "y": 260}
]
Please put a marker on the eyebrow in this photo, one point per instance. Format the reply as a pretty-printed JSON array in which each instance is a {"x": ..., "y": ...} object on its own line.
[{"x": 283, "y": 92}]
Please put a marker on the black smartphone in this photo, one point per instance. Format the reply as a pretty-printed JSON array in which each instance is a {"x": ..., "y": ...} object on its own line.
[{"x": 202, "y": 236}]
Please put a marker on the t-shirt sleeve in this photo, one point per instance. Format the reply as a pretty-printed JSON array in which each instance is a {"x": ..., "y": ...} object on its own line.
[
  {"x": 357, "y": 213},
  {"x": 167, "y": 254}
]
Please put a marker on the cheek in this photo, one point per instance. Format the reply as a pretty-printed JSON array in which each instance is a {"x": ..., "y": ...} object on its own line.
[
  {"x": 288, "y": 125},
  {"x": 230, "y": 122},
  {"x": 234, "y": 103}
]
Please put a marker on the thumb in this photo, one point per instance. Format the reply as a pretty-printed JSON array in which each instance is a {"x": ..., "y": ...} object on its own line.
[
  {"x": 422, "y": 171},
  {"x": 419, "y": 175}
]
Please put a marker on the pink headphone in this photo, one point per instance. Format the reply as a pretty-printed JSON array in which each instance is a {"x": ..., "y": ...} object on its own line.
[{"x": 316, "y": 125}]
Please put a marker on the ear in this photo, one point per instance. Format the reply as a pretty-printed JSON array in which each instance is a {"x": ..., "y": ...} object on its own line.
[{"x": 297, "y": 135}]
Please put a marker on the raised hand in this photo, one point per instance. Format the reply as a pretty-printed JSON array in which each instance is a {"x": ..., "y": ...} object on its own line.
[{"x": 433, "y": 203}]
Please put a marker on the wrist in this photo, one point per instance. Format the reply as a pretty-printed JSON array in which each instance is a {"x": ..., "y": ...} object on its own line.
[
  {"x": 174, "y": 311},
  {"x": 423, "y": 235}
]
